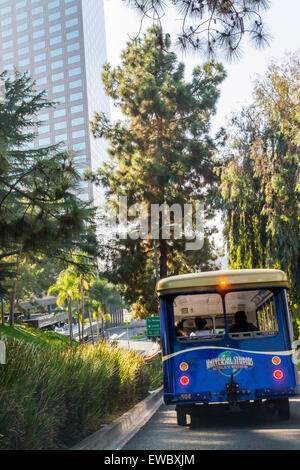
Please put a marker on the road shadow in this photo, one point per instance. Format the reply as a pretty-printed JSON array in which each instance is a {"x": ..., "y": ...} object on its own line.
[{"x": 219, "y": 416}]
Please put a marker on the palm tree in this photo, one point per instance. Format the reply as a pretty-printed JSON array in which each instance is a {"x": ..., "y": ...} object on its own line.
[
  {"x": 67, "y": 288},
  {"x": 100, "y": 310},
  {"x": 102, "y": 294}
]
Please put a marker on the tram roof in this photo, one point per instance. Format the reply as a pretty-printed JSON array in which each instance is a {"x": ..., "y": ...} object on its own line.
[{"x": 223, "y": 279}]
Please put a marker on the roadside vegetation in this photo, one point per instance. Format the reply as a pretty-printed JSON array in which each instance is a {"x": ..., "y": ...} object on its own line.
[{"x": 52, "y": 395}]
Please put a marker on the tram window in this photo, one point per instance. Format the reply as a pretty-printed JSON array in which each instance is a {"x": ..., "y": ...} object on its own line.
[
  {"x": 198, "y": 317},
  {"x": 251, "y": 314}
]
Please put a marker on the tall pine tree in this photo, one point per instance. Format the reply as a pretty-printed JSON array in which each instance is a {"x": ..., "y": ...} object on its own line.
[{"x": 160, "y": 153}]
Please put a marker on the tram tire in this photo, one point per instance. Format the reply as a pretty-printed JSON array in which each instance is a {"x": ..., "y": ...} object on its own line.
[
  {"x": 181, "y": 418},
  {"x": 283, "y": 407}
]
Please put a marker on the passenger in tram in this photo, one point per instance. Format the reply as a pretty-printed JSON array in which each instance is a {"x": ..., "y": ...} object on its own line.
[
  {"x": 179, "y": 329},
  {"x": 200, "y": 325},
  {"x": 241, "y": 324}
]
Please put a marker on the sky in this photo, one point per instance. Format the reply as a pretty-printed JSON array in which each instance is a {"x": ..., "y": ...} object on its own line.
[
  {"x": 123, "y": 23},
  {"x": 282, "y": 23}
]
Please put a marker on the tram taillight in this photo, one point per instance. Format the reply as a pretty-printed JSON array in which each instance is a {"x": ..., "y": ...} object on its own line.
[
  {"x": 184, "y": 380},
  {"x": 183, "y": 366},
  {"x": 278, "y": 374}
]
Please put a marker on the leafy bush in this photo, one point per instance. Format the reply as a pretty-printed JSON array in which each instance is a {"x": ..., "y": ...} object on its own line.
[
  {"x": 155, "y": 371},
  {"x": 52, "y": 396}
]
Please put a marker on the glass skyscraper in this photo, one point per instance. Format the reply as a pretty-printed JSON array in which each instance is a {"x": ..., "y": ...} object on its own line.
[{"x": 61, "y": 43}]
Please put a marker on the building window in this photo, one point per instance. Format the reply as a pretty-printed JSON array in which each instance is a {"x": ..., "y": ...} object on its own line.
[
  {"x": 21, "y": 16},
  {"x": 78, "y": 134},
  {"x": 41, "y": 81},
  {"x": 23, "y": 62},
  {"x": 60, "y": 125},
  {"x": 74, "y": 72},
  {"x": 23, "y": 39},
  {"x": 80, "y": 159},
  {"x": 55, "y": 40},
  {"x": 73, "y": 59},
  {"x": 22, "y": 27},
  {"x": 70, "y": 11},
  {"x": 58, "y": 88},
  {"x": 55, "y": 28},
  {"x": 72, "y": 35},
  {"x": 7, "y": 44},
  {"x": 78, "y": 121},
  {"x": 78, "y": 147},
  {"x": 57, "y": 64},
  {"x": 59, "y": 113},
  {"x": 61, "y": 138},
  {"x": 54, "y": 16},
  {"x": 21, "y": 4},
  {"x": 38, "y": 34},
  {"x": 56, "y": 52},
  {"x": 76, "y": 96},
  {"x": 71, "y": 23},
  {"x": 37, "y": 11},
  {"x": 58, "y": 76},
  {"x": 39, "y": 57},
  {"x": 7, "y": 32},
  {"x": 37, "y": 22},
  {"x": 8, "y": 55},
  {"x": 44, "y": 117},
  {"x": 75, "y": 84},
  {"x": 53, "y": 4},
  {"x": 73, "y": 47},
  {"x": 39, "y": 45},
  {"x": 24, "y": 50},
  {"x": 77, "y": 109},
  {"x": 40, "y": 69},
  {"x": 44, "y": 129},
  {"x": 44, "y": 142}
]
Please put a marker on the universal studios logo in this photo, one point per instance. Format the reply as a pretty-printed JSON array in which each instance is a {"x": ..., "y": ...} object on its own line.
[
  {"x": 229, "y": 363},
  {"x": 140, "y": 221}
]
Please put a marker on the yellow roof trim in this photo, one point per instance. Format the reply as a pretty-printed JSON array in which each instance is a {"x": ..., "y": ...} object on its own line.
[{"x": 234, "y": 278}]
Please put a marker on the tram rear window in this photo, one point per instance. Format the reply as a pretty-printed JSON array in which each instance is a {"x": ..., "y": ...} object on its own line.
[
  {"x": 198, "y": 317},
  {"x": 251, "y": 314}
]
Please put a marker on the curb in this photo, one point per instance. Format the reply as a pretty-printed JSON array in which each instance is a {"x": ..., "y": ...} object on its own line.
[{"x": 115, "y": 435}]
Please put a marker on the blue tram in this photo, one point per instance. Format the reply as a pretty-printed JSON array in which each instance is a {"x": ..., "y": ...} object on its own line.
[{"x": 227, "y": 338}]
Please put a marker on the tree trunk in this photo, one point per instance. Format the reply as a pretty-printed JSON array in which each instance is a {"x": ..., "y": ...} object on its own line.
[
  {"x": 79, "y": 330},
  {"x": 12, "y": 304},
  {"x": 13, "y": 296},
  {"x": 82, "y": 303},
  {"x": 2, "y": 312},
  {"x": 70, "y": 320},
  {"x": 102, "y": 326},
  {"x": 163, "y": 258},
  {"x": 97, "y": 320},
  {"x": 91, "y": 326}
]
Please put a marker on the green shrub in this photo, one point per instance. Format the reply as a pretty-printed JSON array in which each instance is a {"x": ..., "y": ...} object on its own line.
[
  {"x": 52, "y": 396},
  {"x": 155, "y": 372}
]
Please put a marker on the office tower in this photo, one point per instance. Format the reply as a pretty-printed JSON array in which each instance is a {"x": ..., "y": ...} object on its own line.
[{"x": 61, "y": 43}]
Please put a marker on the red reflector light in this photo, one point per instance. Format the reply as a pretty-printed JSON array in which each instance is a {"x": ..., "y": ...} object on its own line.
[
  {"x": 184, "y": 380},
  {"x": 278, "y": 374}
]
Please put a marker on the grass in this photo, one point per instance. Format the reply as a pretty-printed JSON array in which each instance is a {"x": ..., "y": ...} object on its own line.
[
  {"x": 33, "y": 336},
  {"x": 139, "y": 336},
  {"x": 52, "y": 396}
]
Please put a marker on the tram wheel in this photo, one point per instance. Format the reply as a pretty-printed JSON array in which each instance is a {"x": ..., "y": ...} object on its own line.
[
  {"x": 283, "y": 408},
  {"x": 181, "y": 418}
]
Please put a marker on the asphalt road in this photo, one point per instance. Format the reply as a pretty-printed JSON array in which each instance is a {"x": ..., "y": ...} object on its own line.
[{"x": 220, "y": 430}]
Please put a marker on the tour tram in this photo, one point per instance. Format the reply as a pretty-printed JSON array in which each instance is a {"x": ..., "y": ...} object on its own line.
[{"x": 227, "y": 338}]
